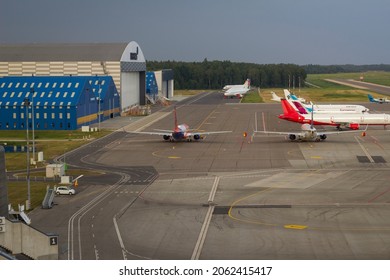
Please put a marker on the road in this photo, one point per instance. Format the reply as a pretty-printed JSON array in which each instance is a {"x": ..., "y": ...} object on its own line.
[
  {"x": 228, "y": 196},
  {"x": 362, "y": 85}
]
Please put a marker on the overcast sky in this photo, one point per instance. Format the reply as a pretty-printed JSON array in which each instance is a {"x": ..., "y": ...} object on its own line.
[{"x": 260, "y": 31}]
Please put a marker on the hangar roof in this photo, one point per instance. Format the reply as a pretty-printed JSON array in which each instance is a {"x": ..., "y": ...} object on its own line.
[{"x": 62, "y": 52}]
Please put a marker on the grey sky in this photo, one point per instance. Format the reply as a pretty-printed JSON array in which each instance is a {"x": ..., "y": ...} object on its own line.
[{"x": 259, "y": 31}]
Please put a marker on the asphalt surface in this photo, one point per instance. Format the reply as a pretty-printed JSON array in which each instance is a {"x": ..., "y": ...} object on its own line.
[{"x": 227, "y": 196}]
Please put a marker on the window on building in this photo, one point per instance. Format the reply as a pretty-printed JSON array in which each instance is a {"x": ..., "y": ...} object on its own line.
[
  {"x": 60, "y": 124},
  {"x": 47, "y": 85},
  {"x": 65, "y": 94},
  {"x": 77, "y": 85},
  {"x": 14, "y": 115},
  {"x": 17, "y": 85},
  {"x": 10, "y": 85},
  {"x": 45, "y": 116},
  {"x": 20, "y": 94},
  {"x": 37, "y": 116},
  {"x": 69, "y": 85},
  {"x": 61, "y": 85},
  {"x": 42, "y": 94},
  {"x": 60, "y": 115},
  {"x": 57, "y": 94},
  {"x": 12, "y": 94},
  {"x": 5, "y": 94},
  {"x": 2, "y": 85},
  {"x": 39, "y": 85},
  {"x": 73, "y": 93},
  {"x": 24, "y": 85},
  {"x": 68, "y": 116},
  {"x": 53, "y": 115},
  {"x": 54, "y": 85}
]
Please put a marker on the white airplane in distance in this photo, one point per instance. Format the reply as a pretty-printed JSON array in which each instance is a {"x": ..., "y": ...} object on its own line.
[
  {"x": 275, "y": 97},
  {"x": 339, "y": 108},
  {"x": 238, "y": 91},
  {"x": 308, "y": 133},
  {"x": 339, "y": 120},
  {"x": 179, "y": 133},
  {"x": 378, "y": 100},
  {"x": 247, "y": 82}
]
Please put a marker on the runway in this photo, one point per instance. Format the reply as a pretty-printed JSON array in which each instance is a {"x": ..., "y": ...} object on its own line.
[{"x": 230, "y": 196}]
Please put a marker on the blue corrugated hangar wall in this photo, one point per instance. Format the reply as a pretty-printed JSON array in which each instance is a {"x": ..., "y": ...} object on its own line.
[{"x": 56, "y": 103}]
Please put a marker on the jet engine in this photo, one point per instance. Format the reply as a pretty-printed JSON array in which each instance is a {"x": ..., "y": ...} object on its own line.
[
  {"x": 167, "y": 137},
  {"x": 292, "y": 137},
  {"x": 323, "y": 137},
  {"x": 197, "y": 136}
]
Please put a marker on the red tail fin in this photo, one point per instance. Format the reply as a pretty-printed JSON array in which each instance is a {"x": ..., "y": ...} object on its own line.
[
  {"x": 289, "y": 113},
  {"x": 174, "y": 111}
]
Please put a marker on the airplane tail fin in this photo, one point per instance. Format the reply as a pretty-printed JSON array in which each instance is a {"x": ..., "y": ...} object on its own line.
[
  {"x": 289, "y": 112},
  {"x": 301, "y": 109},
  {"x": 287, "y": 108},
  {"x": 275, "y": 97},
  {"x": 174, "y": 112},
  {"x": 247, "y": 83},
  {"x": 370, "y": 98}
]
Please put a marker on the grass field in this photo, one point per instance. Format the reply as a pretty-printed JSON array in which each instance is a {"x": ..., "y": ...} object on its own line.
[{"x": 53, "y": 144}]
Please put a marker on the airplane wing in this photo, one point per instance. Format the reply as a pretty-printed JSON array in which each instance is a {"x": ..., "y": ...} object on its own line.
[
  {"x": 207, "y": 133},
  {"x": 278, "y": 132},
  {"x": 161, "y": 133}
]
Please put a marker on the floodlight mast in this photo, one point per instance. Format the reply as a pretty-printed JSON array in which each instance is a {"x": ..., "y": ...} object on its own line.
[{"x": 26, "y": 104}]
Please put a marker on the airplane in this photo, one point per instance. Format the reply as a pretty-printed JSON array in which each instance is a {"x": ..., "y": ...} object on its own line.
[
  {"x": 378, "y": 100},
  {"x": 339, "y": 120},
  {"x": 238, "y": 91},
  {"x": 180, "y": 132},
  {"x": 247, "y": 82},
  {"x": 308, "y": 133},
  {"x": 339, "y": 108},
  {"x": 275, "y": 97}
]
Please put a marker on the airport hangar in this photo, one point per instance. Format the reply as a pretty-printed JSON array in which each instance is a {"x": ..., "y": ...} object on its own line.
[{"x": 125, "y": 63}]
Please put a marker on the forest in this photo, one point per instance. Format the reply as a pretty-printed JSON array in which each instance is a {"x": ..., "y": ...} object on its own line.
[{"x": 217, "y": 74}]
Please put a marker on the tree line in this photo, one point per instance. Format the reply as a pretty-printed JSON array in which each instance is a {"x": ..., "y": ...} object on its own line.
[{"x": 216, "y": 74}]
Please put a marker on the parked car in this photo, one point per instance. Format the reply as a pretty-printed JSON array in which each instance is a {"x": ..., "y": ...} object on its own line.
[{"x": 65, "y": 190}]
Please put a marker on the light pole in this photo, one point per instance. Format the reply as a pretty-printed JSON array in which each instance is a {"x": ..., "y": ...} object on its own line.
[
  {"x": 32, "y": 111},
  {"x": 26, "y": 104},
  {"x": 99, "y": 106}
]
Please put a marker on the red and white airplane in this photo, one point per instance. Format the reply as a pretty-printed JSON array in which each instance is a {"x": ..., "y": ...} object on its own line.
[
  {"x": 179, "y": 133},
  {"x": 339, "y": 120},
  {"x": 238, "y": 91},
  {"x": 308, "y": 132},
  {"x": 246, "y": 84}
]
